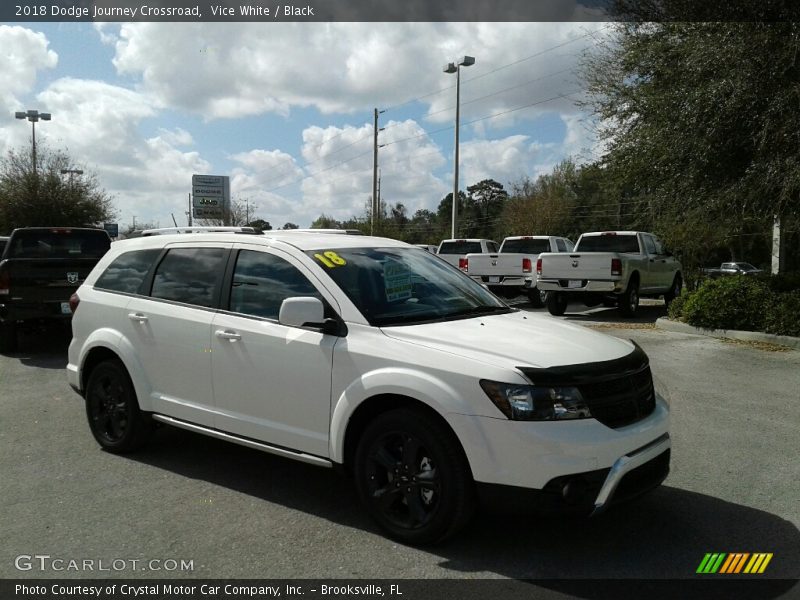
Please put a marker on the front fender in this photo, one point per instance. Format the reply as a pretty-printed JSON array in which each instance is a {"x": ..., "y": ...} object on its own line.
[{"x": 424, "y": 387}]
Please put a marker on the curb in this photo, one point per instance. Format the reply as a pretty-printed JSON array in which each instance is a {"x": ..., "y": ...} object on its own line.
[{"x": 749, "y": 336}]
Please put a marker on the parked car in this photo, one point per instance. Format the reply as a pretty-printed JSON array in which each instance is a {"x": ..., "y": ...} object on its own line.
[
  {"x": 616, "y": 267},
  {"x": 732, "y": 268},
  {"x": 40, "y": 268},
  {"x": 455, "y": 251},
  {"x": 509, "y": 272},
  {"x": 370, "y": 355}
]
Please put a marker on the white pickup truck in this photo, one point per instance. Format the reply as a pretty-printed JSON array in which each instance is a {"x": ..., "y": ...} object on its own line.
[
  {"x": 454, "y": 251},
  {"x": 610, "y": 267},
  {"x": 509, "y": 272}
]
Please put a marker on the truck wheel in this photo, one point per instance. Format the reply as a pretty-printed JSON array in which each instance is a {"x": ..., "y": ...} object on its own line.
[
  {"x": 675, "y": 290},
  {"x": 8, "y": 337},
  {"x": 557, "y": 303},
  {"x": 538, "y": 298},
  {"x": 629, "y": 301},
  {"x": 413, "y": 477},
  {"x": 113, "y": 411}
]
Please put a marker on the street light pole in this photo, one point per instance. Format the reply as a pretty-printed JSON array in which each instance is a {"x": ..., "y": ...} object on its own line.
[
  {"x": 33, "y": 116},
  {"x": 466, "y": 61}
]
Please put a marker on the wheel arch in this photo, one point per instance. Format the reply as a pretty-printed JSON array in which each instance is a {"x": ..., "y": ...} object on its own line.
[{"x": 377, "y": 405}]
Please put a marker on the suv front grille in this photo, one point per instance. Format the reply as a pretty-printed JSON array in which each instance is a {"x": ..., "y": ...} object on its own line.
[{"x": 621, "y": 401}]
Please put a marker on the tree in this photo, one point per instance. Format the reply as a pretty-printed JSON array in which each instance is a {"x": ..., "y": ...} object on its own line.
[
  {"x": 485, "y": 202},
  {"x": 701, "y": 119},
  {"x": 290, "y": 226},
  {"x": 260, "y": 224},
  {"x": 43, "y": 196}
]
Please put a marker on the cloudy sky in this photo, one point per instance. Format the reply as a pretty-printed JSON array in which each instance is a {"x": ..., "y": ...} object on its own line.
[{"x": 286, "y": 109}]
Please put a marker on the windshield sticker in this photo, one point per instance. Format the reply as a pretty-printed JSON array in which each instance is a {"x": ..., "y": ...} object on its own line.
[
  {"x": 397, "y": 281},
  {"x": 330, "y": 259}
]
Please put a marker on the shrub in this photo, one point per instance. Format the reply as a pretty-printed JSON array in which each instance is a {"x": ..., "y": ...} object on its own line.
[
  {"x": 729, "y": 303},
  {"x": 783, "y": 317},
  {"x": 675, "y": 309}
]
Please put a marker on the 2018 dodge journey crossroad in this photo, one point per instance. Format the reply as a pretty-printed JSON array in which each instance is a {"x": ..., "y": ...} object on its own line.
[{"x": 371, "y": 355}]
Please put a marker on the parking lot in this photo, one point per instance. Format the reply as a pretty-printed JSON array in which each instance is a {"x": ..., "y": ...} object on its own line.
[{"x": 237, "y": 513}]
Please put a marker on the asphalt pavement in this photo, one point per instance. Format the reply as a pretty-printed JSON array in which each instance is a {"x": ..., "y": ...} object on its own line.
[{"x": 237, "y": 513}]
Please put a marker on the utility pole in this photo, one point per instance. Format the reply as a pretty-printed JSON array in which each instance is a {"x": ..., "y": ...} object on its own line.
[
  {"x": 190, "y": 209},
  {"x": 380, "y": 208},
  {"x": 375, "y": 205},
  {"x": 134, "y": 222}
]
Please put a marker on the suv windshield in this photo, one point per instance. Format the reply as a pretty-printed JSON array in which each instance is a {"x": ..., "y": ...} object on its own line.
[{"x": 403, "y": 286}]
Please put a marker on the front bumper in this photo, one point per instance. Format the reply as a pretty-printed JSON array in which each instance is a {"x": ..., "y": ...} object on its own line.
[{"x": 538, "y": 459}]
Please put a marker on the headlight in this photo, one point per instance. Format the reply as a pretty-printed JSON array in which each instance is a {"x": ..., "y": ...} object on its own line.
[{"x": 536, "y": 403}]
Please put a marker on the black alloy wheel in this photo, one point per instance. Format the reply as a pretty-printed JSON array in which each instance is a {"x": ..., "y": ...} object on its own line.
[
  {"x": 112, "y": 410},
  {"x": 413, "y": 477}
]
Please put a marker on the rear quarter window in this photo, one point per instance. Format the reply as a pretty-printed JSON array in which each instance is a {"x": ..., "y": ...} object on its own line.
[{"x": 127, "y": 272}]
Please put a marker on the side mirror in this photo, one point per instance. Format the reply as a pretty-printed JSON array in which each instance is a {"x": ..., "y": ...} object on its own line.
[
  {"x": 300, "y": 311},
  {"x": 305, "y": 311}
]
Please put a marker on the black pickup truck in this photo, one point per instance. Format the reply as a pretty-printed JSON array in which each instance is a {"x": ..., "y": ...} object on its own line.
[{"x": 40, "y": 268}]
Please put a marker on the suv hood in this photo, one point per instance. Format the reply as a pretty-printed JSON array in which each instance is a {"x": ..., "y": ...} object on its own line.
[{"x": 513, "y": 340}]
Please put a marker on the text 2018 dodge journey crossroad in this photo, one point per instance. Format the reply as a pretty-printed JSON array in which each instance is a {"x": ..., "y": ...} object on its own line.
[{"x": 368, "y": 354}]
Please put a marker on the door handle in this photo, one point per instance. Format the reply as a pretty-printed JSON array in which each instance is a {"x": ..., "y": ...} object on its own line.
[
  {"x": 228, "y": 335},
  {"x": 138, "y": 317}
]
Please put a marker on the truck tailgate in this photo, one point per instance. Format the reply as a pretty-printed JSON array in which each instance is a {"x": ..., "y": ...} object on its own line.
[
  {"x": 46, "y": 280},
  {"x": 495, "y": 265},
  {"x": 588, "y": 265}
]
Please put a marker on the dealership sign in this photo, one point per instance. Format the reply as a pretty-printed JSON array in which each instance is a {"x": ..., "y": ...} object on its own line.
[{"x": 211, "y": 196}]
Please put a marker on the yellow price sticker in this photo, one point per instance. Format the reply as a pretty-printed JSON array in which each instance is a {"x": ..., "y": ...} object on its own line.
[{"x": 330, "y": 259}]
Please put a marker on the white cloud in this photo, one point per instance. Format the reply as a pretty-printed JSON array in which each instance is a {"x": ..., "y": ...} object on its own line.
[
  {"x": 24, "y": 53},
  {"x": 99, "y": 125},
  {"x": 221, "y": 70}
]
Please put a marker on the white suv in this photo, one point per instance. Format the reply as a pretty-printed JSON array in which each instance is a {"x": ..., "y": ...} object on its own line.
[{"x": 369, "y": 354}]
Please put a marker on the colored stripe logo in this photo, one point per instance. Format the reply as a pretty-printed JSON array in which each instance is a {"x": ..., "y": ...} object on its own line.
[{"x": 734, "y": 563}]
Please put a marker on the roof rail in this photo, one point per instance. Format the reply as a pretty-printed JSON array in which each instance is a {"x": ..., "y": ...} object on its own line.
[
  {"x": 309, "y": 230},
  {"x": 219, "y": 229}
]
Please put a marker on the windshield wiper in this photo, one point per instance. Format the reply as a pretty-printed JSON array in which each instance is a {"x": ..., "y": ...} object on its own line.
[{"x": 480, "y": 310}]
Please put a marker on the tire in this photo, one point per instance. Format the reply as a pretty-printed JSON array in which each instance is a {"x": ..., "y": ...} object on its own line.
[
  {"x": 8, "y": 337},
  {"x": 413, "y": 477},
  {"x": 537, "y": 298},
  {"x": 675, "y": 290},
  {"x": 629, "y": 301},
  {"x": 557, "y": 303},
  {"x": 113, "y": 411}
]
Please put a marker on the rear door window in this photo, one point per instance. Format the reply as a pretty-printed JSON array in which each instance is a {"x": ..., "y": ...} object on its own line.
[{"x": 190, "y": 275}]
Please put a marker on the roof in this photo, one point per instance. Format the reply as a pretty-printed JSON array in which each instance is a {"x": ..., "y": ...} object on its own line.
[{"x": 301, "y": 240}]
